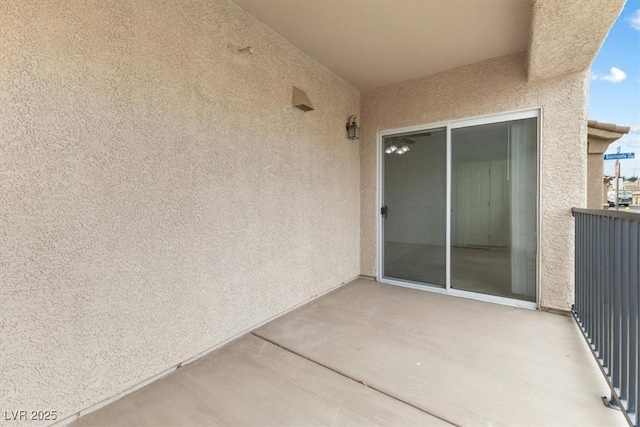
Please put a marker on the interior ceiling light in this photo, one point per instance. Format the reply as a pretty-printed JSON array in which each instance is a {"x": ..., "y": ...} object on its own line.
[{"x": 398, "y": 145}]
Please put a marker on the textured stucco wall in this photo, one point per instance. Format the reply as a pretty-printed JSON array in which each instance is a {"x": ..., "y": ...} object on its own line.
[
  {"x": 493, "y": 86},
  {"x": 566, "y": 35},
  {"x": 595, "y": 179},
  {"x": 158, "y": 192}
]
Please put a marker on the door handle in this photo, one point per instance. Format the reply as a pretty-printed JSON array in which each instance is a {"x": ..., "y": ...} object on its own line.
[{"x": 383, "y": 211}]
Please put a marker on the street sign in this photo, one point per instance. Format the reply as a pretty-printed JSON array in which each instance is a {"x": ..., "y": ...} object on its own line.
[{"x": 619, "y": 156}]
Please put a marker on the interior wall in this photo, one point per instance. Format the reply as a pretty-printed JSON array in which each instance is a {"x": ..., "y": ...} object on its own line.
[
  {"x": 159, "y": 194},
  {"x": 489, "y": 87}
]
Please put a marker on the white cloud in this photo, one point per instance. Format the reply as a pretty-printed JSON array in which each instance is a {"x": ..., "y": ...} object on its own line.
[
  {"x": 634, "y": 19},
  {"x": 616, "y": 75}
]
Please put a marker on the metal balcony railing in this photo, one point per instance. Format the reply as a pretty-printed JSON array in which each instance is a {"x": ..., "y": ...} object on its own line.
[{"x": 607, "y": 298}]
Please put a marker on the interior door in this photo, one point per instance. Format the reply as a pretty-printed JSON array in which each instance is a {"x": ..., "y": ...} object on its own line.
[
  {"x": 480, "y": 203},
  {"x": 472, "y": 204}
]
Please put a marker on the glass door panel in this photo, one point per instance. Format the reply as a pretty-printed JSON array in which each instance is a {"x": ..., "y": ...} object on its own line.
[
  {"x": 414, "y": 197},
  {"x": 493, "y": 209}
]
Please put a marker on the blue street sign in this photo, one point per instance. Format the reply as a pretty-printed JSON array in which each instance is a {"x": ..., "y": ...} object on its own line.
[{"x": 618, "y": 156}]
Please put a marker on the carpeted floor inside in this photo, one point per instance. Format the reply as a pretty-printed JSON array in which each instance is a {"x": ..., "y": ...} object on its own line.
[{"x": 474, "y": 269}]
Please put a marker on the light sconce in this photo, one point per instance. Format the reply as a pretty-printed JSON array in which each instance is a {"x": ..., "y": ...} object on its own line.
[{"x": 353, "y": 131}]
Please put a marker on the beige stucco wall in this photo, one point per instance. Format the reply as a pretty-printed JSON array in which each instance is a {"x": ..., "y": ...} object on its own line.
[
  {"x": 566, "y": 35},
  {"x": 596, "y": 194},
  {"x": 493, "y": 86},
  {"x": 595, "y": 184},
  {"x": 158, "y": 192}
]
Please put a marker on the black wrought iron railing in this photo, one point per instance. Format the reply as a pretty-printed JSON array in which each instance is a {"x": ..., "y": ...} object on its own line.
[{"x": 607, "y": 298}]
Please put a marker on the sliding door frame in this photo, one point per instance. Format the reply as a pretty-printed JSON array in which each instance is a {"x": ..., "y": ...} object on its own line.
[{"x": 449, "y": 126}]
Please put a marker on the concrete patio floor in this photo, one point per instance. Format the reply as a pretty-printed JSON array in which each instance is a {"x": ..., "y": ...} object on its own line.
[{"x": 374, "y": 354}]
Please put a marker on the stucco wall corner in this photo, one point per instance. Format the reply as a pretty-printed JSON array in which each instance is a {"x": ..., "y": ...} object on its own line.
[
  {"x": 566, "y": 35},
  {"x": 563, "y": 186}
]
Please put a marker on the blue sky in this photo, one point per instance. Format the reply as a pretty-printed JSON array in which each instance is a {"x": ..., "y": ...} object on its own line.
[{"x": 614, "y": 91}]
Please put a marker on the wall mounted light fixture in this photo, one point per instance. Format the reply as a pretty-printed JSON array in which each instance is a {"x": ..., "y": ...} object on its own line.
[{"x": 353, "y": 131}]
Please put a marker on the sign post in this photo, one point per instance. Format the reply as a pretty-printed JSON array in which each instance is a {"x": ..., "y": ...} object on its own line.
[{"x": 617, "y": 184}]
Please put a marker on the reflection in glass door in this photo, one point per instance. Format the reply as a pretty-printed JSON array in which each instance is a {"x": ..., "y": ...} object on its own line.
[
  {"x": 493, "y": 209},
  {"x": 414, "y": 207}
]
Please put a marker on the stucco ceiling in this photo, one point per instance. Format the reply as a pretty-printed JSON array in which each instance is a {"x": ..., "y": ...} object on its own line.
[{"x": 371, "y": 43}]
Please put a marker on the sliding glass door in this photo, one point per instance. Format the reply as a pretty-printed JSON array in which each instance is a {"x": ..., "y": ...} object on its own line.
[
  {"x": 493, "y": 209},
  {"x": 459, "y": 207},
  {"x": 414, "y": 207}
]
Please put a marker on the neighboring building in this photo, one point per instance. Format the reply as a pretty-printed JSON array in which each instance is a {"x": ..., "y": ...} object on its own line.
[
  {"x": 599, "y": 136},
  {"x": 634, "y": 187},
  {"x": 161, "y": 194}
]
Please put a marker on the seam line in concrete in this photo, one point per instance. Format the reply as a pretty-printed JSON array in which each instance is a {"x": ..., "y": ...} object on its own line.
[{"x": 342, "y": 374}]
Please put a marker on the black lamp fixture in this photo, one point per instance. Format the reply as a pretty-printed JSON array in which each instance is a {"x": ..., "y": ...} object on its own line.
[{"x": 353, "y": 131}]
